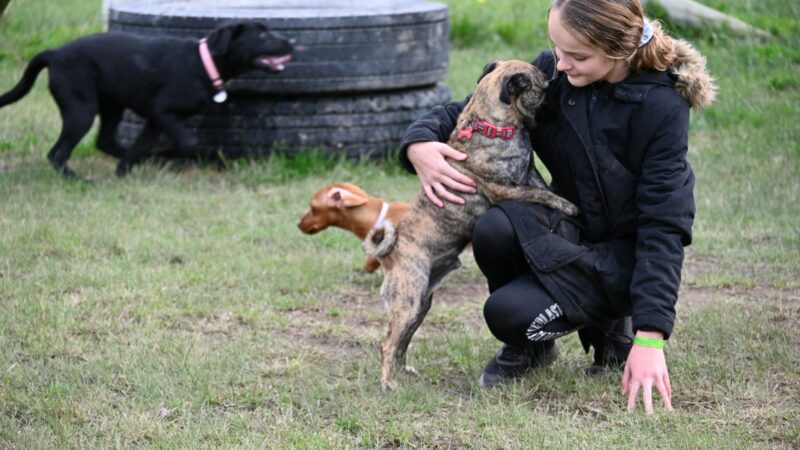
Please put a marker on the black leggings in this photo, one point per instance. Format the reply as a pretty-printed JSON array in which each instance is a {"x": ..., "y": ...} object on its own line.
[{"x": 519, "y": 310}]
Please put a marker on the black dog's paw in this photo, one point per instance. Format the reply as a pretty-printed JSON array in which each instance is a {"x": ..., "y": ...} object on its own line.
[{"x": 123, "y": 168}]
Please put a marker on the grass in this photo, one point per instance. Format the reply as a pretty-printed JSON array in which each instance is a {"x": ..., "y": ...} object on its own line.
[{"x": 180, "y": 307}]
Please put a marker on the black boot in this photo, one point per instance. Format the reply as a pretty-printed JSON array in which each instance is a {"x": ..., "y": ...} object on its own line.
[
  {"x": 512, "y": 362},
  {"x": 611, "y": 347}
]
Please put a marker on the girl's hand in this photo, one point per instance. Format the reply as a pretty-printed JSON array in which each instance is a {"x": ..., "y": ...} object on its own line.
[
  {"x": 436, "y": 174},
  {"x": 646, "y": 368}
]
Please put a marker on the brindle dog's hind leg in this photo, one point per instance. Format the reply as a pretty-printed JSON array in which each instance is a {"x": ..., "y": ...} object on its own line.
[
  {"x": 403, "y": 291},
  {"x": 408, "y": 294}
]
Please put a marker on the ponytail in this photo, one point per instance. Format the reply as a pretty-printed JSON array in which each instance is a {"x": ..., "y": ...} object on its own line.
[{"x": 656, "y": 54}]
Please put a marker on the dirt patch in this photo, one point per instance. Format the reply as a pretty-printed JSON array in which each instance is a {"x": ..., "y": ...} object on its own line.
[
  {"x": 692, "y": 297},
  {"x": 353, "y": 321}
]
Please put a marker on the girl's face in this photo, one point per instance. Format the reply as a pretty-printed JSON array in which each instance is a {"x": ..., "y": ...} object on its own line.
[{"x": 583, "y": 64}]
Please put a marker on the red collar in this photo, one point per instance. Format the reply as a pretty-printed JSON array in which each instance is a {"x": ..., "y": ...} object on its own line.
[{"x": 487, "y": 129}]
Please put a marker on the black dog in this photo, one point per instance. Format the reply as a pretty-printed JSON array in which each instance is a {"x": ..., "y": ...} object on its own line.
[{"x": 162, "y": 79}]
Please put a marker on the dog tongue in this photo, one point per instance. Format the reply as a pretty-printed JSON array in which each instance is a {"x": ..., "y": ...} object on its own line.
[{"x": 276, "y": 62}]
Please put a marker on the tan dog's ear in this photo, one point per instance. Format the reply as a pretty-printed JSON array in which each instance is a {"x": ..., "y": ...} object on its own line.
[{"x": 342, "y": 198}]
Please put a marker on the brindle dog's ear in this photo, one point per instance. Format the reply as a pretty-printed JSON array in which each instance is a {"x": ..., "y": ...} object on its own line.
[
  {"x": 490, "y": 66},
  {"x": 514, "y": 85}
]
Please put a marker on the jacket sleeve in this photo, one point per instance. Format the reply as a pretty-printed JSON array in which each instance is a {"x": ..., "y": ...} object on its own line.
[
  {"x": 437, "y": 125},
  {"x": 665, "y": 201}
]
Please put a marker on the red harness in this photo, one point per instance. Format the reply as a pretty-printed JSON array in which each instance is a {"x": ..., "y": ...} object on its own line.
[{"x": 487, "y": 129}]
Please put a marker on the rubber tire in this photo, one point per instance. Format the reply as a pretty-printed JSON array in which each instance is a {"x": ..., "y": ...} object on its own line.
[
  {"x": 339, "y": 48},
  {"x": 356, "y": 125}
]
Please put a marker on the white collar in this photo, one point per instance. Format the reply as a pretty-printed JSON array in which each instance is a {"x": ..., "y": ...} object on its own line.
[{"x": 381, "y": 216}]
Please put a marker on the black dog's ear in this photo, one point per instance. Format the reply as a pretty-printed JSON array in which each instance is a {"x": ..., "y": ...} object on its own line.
[
  {"x": 490, "y": 66},
  {"x": 221, "y": 37},
  {"x": 513, "y": 86}
]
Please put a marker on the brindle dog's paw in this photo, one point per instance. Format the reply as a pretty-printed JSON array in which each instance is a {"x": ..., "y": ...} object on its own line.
[
  {"x": 569, "y": 209},
  {"x": 411, "y": 371},
  {"x": 388, "y": 385}
]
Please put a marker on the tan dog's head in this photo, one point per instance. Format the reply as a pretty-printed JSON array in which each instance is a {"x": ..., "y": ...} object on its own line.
[
  {"x": 327, "y": 206},
  {"x": 509, "y": 91}
]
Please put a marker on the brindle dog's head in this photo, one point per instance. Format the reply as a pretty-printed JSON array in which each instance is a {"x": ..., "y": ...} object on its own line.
[{"x": 509, "y": 91}]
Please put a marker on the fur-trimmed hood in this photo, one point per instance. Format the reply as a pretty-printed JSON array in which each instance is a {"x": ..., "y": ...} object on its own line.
[{"x": 693, "y": 81}]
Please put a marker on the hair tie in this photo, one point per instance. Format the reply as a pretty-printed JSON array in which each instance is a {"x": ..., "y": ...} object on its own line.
[{"x": 647, "y": 33}]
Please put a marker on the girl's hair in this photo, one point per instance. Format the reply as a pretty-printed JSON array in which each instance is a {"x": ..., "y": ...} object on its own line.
[{"x": 615, "y": 27}]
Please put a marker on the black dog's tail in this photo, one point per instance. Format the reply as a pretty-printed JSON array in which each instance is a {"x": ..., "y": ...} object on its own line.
[{"x": 36, "y": 65}]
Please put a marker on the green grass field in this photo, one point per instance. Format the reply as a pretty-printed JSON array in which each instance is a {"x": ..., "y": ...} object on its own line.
[{"x": 180, "y": 307}]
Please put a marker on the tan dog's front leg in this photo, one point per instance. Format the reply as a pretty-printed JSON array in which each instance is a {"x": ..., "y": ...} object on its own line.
[
  {"x": 498, "y": 193},
  {"x": 403, "y": 294}
]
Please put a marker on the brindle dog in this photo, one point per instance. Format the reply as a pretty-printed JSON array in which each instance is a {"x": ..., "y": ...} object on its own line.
[{"x": 426, "y": 244}]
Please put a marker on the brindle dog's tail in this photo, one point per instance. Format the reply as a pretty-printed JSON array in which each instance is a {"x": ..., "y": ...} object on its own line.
[
  {"x": 36, "y": 65},
  {"x": 380, "y": 241}
]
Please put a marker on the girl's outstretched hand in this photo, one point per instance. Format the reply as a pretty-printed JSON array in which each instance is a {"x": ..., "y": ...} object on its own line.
[
  {"x": 645, "y": 369},
  {"x": 436, "y": 174}
]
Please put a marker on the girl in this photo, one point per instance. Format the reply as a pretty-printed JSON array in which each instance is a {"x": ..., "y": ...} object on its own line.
[{"x": 614, "y": 137}]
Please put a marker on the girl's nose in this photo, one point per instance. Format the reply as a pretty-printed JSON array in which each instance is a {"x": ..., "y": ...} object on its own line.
[{"x": 562, "y": 65}]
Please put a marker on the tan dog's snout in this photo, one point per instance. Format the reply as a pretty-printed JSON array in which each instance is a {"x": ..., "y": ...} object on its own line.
[
  {"x": 309, "y": 223},
  {"x": 325, "y": 208}
]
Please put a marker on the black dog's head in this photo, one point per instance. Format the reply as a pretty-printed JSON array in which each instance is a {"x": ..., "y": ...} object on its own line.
[{"x": 241, "y": 46}]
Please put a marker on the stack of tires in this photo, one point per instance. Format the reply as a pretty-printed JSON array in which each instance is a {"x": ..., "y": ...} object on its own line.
[{"x": 361, "y": 72}]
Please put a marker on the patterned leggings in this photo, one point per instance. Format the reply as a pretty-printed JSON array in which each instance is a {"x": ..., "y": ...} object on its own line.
[{"x": 519, "y": 309}]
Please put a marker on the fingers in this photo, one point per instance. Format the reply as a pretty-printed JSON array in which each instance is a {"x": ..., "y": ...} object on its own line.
[
  {"x": 647, "y": 397},
  {"x": 431, "y": 196},
  {"x": 633, "y": 392},
  {"x": 669, "y": 387},
  {"x": 664, "y": 393},
  {"x": 626, "y": 379},
  {"x": 457, "y": 176},
  {"x": 461, "y": 183},
  {"x": 450, "y": 197},
  {"x": 632, "y": 389}
]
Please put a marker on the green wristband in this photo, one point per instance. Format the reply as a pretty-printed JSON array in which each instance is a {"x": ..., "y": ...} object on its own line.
[{"x": 649, "y": 342}]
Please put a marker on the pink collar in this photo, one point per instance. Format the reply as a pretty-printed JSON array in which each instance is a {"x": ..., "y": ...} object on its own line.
[{"x": 208, "y": 63}]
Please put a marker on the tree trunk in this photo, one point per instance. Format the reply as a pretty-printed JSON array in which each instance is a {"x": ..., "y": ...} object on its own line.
[{"x": 696, "y": 15}]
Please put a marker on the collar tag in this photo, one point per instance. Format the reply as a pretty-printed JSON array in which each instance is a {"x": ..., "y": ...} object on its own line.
[{"x": 220, "y": 96}]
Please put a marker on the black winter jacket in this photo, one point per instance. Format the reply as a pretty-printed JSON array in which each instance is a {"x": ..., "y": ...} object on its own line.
[{"x": 618, "y": 151}]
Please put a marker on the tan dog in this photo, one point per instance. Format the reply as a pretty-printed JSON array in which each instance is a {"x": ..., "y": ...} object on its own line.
[
  {"x": 347, "y": 206},
  {"x": 426, "y": 243}
]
